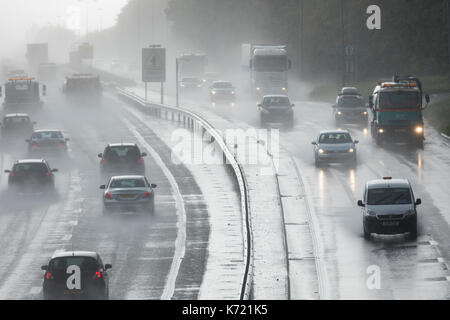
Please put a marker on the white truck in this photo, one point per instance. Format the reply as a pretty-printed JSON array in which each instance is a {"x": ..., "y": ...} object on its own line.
[
  {"x": 37, "y": 53},
  {"x": 268, "y": 66},
  {"x": 192, "y": 69}
]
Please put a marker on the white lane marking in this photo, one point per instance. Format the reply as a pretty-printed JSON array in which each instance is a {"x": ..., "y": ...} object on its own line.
[
  {"x": 66, "y": 237},
  {"x": 180, "y": 242},
  {"x": 35, "y": 291}
]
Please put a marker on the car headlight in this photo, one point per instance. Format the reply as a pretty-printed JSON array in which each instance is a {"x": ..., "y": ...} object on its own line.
[
  {"x": 232, "y": 92},
  {"x": 204, "y": 80},
  {"x": 419, "y": 129},
  {"x": 351, "y": 150},
  {"x": 365, "y": 113},
  {"x": 284, "y": 89},
  {"x": 370, "y": 213},
  {"x": 381, "y": 130},
  {"x": 181, "y": 85},
  {"x": 339, "y": 113},
  {"x": 213, "y": 92},
  {"x": 321, "y": 151},
  {"x": 258, "y": 89}
]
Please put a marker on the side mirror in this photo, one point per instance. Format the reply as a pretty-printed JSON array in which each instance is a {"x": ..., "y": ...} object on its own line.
[
  {"x": 27, "y": 140},
  {"x": 427, "y": 98},
  {"x": 333, "y": 106},
  {"x": 100, "y": 155},
  {"x": 367, "y": 105},
  {"x": 153, "y": 185},
  {"x": 259, "y": 105},
  {"x": 356, "y": 141},
  {"x": 293, "y": 105},
  {"x": 103, "y": 187},
  {"x": 44, "y": 90},
  {"x": 418, "y": 202},
  {"x": 7, "y": 171},
  {"x": 143, "y": 154},
  {"x": 54, "y": 170},
  {"x": 34, "y": 122},
  {"x": 108, "y": 266},
  {"x": 314, "y": 143},
  {"x": 45, "y": 268},
  {"x": 360, "y": 203},
  {"x": 67, "y": 139}
]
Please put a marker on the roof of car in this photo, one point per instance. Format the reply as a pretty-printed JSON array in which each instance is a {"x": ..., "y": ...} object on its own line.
[
  {"x": 31, "y": 161},
  {"x": 75, "y": 254},
  {"x": 12, "y": 115},
  {"x": 122, "y": 145},
  {"x": 128, "y": 177},
  {"x": 334, "y": 131},
  {"x": 388, "y": 183},
  {"x": 275, "y": 96},
  {"x": 47, "y": 130}
]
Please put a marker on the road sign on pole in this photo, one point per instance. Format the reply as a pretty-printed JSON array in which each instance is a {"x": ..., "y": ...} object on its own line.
[{"x": 154, "y": 64}]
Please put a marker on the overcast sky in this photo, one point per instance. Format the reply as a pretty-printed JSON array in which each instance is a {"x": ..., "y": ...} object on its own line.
[{"x": 17, "y": 17}]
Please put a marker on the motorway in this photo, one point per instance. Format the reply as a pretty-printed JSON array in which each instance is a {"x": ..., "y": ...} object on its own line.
[
  {"x": 408, "y": 269},
  {"x": 153, "y": 257}
]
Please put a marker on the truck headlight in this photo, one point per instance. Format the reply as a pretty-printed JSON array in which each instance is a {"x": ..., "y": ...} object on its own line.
[
  {"x": 339, "y": 113},
  {"x": 365, "y": 113},
  {"x": 213, "y": 92},
  {"x": 381, "y": 130},
  {"x": 419, "y": 129},
  {"x": 284, "y": 89}
]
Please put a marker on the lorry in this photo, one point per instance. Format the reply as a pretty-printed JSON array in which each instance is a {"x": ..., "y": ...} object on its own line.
[
  {"x": 397, "y": 110},
  {"x": 268, "y": 66},
  {"x": 192, "y": 66},
  {"x": 22, "y": 94},
  {"x": 83, "y": 88},
  {"x": 37, "y": 53}
]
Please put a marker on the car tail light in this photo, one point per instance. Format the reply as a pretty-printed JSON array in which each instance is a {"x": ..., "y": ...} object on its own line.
[
  {"x": 35, "y": 146},
  {"x": 48, "y": 173},
  {"x": 141, "y": 161},
  {"x": 103, "y": 161},
  {"x": 98, "y": 275},
  {"x": 146, "y": 195},
  {"x": 48, "y": 276},
  {"x": 108, "y": 196},
  {"x": 12, "y": 174}
]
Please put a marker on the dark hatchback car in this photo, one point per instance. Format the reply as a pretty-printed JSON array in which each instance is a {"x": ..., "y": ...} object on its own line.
[
  {"x": 123, "y": 158},
  {"x": 47, "y": 142},
  {"x": 276, "y": 109},
  {"x": 31, "y": 173},
  {"x": 350, "y": 109},
  {"x": 76, "y": 275},
  {"x": 16, "y": 125}
]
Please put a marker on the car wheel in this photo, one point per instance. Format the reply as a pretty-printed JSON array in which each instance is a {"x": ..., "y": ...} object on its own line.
[
  {"x": 378, "y": 140},
  {"x": 367, "y": 235},
  {"x": 419, "y": 143},
  {"x": 413, "y": 231},
  {"x": 317, "y": 162}
]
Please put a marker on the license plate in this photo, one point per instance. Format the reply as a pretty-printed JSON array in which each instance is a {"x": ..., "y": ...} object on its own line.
[
  {"x": 401, "y": 130},
  {"x": 391, "y": 223},
  {"x": 74, "y": 292},
  {"x": 127, "y": 196}
]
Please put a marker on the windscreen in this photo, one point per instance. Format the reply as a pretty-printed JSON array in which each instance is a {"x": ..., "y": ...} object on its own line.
[
  {"x": 276, "y": 101},
  {"x": 127, "y": 183},
  {"x": 388, "y": 196},
  {"x": 17, "y": 121},
  {"x": 58, "y": 266},
  {"x": 351, "y": 102},
  {"x": 122, "y": 152},
  {"x": 28, "y": 168},
  {"x": 47, "y": 135},
  {"x": 335, "y": 138},
  {"x": 21, "y": 91},
  {"x": 270, "y": 63},
  {"x": 399, "y": 100},
  {"x": 222, "y": 85}
]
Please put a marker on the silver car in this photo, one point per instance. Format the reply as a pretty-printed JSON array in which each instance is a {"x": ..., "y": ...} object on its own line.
[
  {"x": 389, "y": 207},
  {"x": 128, "y": 193},
  {"x": 334, "y": 146}
]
